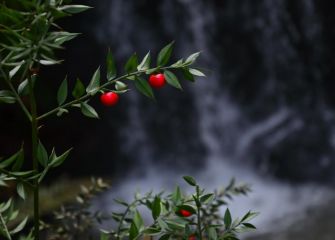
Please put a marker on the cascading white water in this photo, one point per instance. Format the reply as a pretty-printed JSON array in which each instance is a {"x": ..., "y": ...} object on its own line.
[{"x": 224, "y": 128}]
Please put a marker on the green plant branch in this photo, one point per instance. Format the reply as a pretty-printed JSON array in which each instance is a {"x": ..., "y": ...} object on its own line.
[
  {"x": 123, "y": 218},
  {"x": 88, "y": 95},
  {"x": 198, "y": 213},
  {"x": 16, "y": 177},
  {"x": 34, "y": 139},
  {"x": 3, "y": 223},
  {"x": 16, "y": 95}
]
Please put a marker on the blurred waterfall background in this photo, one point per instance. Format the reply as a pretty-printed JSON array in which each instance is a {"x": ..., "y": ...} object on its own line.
[{"x": 264, "y": 115}]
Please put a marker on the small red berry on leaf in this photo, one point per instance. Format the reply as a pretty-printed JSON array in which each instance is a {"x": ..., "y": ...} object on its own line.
[
  {"x": 157, "y": 80},
  {"x": 109, "y": 99},
  {"x": 192, "y": 237},
  {"x": 185, "y": 213}
]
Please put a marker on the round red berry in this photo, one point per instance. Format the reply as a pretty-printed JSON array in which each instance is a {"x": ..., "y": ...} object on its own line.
[
  {"x": 109, "y": 99},
  {"x": 185, "y": 213},
  {"x": 192, "y": 237},
  {"x": 157, "y": 80}
]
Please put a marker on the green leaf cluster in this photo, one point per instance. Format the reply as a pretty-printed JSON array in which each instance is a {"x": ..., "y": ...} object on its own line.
[{"x": 168, "y": 222}]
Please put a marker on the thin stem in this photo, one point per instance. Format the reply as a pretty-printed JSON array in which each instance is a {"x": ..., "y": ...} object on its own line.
[
  {"x": 88, "y": 95},
  {"x": 16, "y": 177},
  {"x": 198, "y": 213},
  {"x": 121, "y": 222},
  {"x": 3, "y": 223},
  {"x": 34, "y": 139},
  {"x": 123, "y": 218},
  {"x": 16, "y": 95}
]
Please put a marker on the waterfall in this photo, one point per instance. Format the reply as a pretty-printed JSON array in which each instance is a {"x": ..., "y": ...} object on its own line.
[{"x": 258, "y": 97}]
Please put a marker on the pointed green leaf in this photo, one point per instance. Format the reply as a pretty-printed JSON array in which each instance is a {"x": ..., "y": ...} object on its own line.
[
  {"x": 49, "y": 62},
  {"x": 152, "y": 70},
  {"x": 177, "y": 195},
  {"x": 187, "y": 75},
  {"x": 93, "y": 86},
  {"x": 196, "y": 72},
  {"x": 61, "y": 111},
  {"x": 131, "y": 64},
  {"x": 52, "y": 155},
  {"x": 138, "y": 221},
  {"x": 172, "y": 79},
  {"x": 13, "y": 214},
  {"x": 42, "y": 154},
  {"x": 19, "y": 227},
  {"x": 88, "y": 110},
  {"x": 19, "y": 161},
  {"x": 165, "y": 54},
  {"x": 212, "y": 234},
  {"x": 23, "y": 173},
  {"x": 10, "y": 160},
  {"x": 165, "y": 237},
  {"x": 162, "y": 224},
  {"x": 144, "y": 87},
  {"x": 62, "y": 92},
  {"x": 174, "y": 225},
  {"x": 151, "y": 231},
  {"x": 111, "y": 67},
  {"x": 20, "y": 190},
  {"x": 23, "y": 88},
  {"x": 249, "y": 225},
  {"x": 79, "y": 89},
  {"x": 145, "y": 64},
  {"x": 5, "y": 206},
  {"x": 207, "y": 198},
  {"x": 249, "y": 215},
  {"x": 56, "y": 161},
  {"x": 133, "y": 231},
  {"x": 120, "y": 86},
  {"x": 190, "y": 180},
  {"x": 3, "y": 183},
  {"x": 15, "y": 70},
  {"x": 178, "y": 64},
  {"x": 192, "y": 58},
  {"x": 227, "y": 219},
  {"x": 156, "y": 208},
  {"x": 64, "y": 37},
  {"x": 73, "y": 8},
  {"x": 7, "y": 96}
]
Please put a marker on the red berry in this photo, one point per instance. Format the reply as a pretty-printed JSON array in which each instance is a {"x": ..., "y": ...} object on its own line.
[
  {"x": 109, "y": 99},
  {"x": 157, "y": 80},
  {"x": 185, "y": 213},
  {"x": 192, "y": 237}
]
